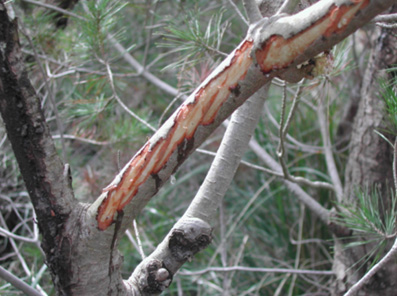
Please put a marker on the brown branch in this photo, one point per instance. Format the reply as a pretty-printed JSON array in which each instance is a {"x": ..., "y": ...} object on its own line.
[{"x": 47, "y": 180}]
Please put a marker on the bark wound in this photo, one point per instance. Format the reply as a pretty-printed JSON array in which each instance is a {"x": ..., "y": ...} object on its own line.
[
  {"x": 156, "y": 277},
  {"x": 285, "y": 51},
  {"x": 184, "y": 245},
  {"x": 177, "y": 136},
  {"x": 189, "y": 237}
]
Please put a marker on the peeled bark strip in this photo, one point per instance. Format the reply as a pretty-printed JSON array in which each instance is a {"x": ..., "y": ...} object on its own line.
[
  {"x": 176, "y": 135},
  {"x": 303, "y": 35}
]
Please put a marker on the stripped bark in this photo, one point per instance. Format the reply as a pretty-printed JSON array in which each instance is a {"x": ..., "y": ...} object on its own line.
[
  {"x": 304, "y": 34},
  {"x": 81, "y": 241}
]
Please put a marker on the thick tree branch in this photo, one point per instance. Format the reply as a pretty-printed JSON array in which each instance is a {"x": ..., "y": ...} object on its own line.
[
  {"x": 303, "y": 35},
  {"x": 228, "y": 157},
  {"x": 18, "y": 283},
  {"x": 206, "y": 202},
  {"x": 47, "y": 180}
]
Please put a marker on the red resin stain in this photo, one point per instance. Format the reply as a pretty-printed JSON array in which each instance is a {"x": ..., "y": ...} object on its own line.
[
  {"x": 208, "y": 100},
  {"x": 341, "y": 16},
  {"x": 278, "y": 52}
]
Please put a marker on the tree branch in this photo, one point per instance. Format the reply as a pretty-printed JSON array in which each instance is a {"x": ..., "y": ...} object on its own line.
[
  {"x": 252, "y": 9},
  {"x": 47, "y": 181},
  {"x": 313, "y": 30},
  {"x": 206, "y": 202},
  {"x": 331, "y": 166},
  {"x": 255, "y": 269},
  {"x": 18, "y": 283},
  {"x": 322, "y": 213},
  {"x": 288, "y": 6}
]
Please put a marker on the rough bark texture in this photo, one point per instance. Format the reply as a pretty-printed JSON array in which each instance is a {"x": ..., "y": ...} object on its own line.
[
  {"x": 47, "y": 182},
  {"x": 369, "y": 166}
]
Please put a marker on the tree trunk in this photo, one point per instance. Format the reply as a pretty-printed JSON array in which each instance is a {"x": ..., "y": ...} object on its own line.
[{"x": 369, "y": 168}]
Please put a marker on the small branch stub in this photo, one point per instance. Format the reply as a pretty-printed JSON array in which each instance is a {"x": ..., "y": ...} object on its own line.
[
  {"x": 188, "y": 238},
  {"x": 154, "y": 277}
]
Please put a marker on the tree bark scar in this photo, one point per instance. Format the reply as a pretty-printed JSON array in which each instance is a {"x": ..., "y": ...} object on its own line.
[
  {"x": 185, "y": 149},
  {"x": 278, "y": 52},
  {"x": 177, "y": 134},
  {"x": 157, "y": 180},
  {"x": 119, "y": 219}
]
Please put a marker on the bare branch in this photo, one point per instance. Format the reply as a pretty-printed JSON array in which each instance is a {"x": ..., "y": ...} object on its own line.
[
  {"x": 254, "y": 269},
  {"x": 125, "y": 108},
  {"x": 55, "y": 8},
  {"x": 238, "y": 12},
  {"x": 6, "y": 233},
  {"x": 378, "y": 266},
  {"x": 252, "y": 10},
  {"x": 331, "y": 166},
  {"x": 141, "y": 70},
  {"x": 288, "y": 6},
  {"x": 18, "y": 283},
  {"x": 283, "y": 131},
  {"x": 227, "y": 159},
  {"x": 322, "y": 213},
  {"x": 385, "y": 18},
  {"x": 387, "y": 26},
  {"x": 395, "y": 166},
  {"x": 85, "y": 140}
]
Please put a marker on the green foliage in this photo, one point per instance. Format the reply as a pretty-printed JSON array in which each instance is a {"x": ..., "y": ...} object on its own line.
[
  {"x": 100, "y": 19},
  {"x": 373, "y": 223},
  {"x": 195, "y": 43},
  {"x": 389, "y": 96},
  {"x": 365, "y": 217}
]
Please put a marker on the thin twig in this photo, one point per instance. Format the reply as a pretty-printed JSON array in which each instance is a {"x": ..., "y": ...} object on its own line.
[
  {"x": 288, "y": 6},
  {"x": 309, "y": 201},
  {"x": 238, "y": 12},
  {"x": 385, "y": 18},
  {"x": 56, "y": 8},
  {"x": 386, "y": 259},
  {"x": 387, "y": 26},
  {"x": 138, "y": 238},
  {"x": 85, "y": 140},
  {"x": 128, "y": 110},
  {"x": 257, "y": 269},
  {"x": 329, "y": 157},
  {"x": 301, "y": 146},
  {"x": 6, "y": 233},
  {"x": 294, "y": 106},
  {"x": 395, "y": 166},
  {"x": 18, "y": 283},
  {"x": 283, "y": 132},
  {"x": 141, "y": 70},
  {"x": 298, "y": 248},
  {"x": 252, "y": 10}
]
